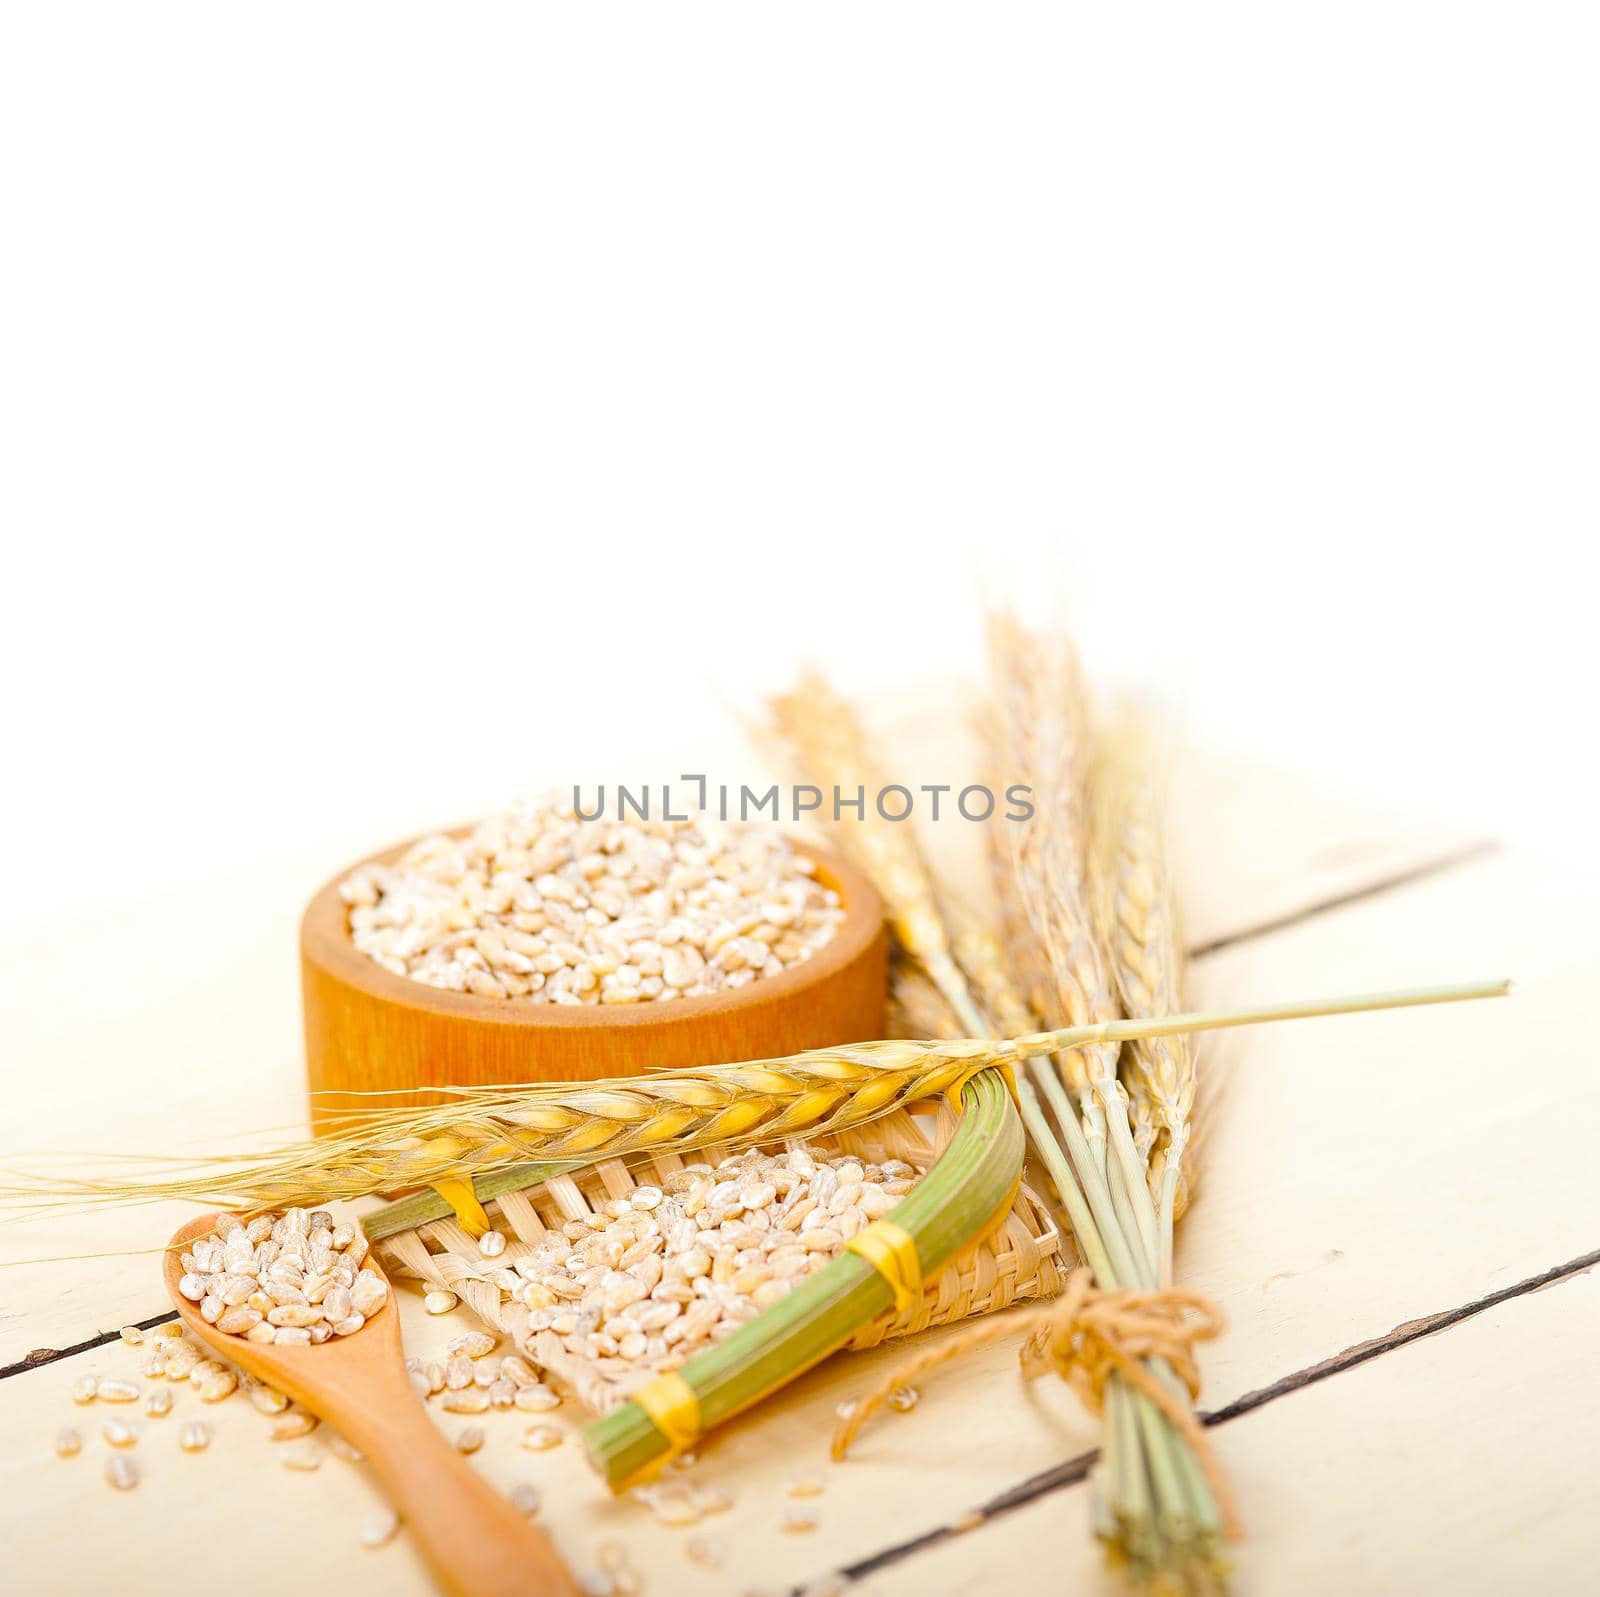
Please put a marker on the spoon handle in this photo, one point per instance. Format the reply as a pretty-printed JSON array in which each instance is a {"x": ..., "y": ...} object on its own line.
[{"x": 474, "y": 1541}]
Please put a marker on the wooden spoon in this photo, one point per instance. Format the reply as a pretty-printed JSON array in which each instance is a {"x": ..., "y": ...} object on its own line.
[{"x": 475, "y": 1542}]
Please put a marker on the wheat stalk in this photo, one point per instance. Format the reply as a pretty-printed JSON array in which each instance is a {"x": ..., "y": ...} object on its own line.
[
  {"x": 917, "y": 1008},
  {"x": 809, "y": 1094},
  {"x": 484, "y": 1129},
  {"x": 826, "y": 742},
  {"x": 1039, "y": 735},
  {"x": 1137, "y": 917},
  {"x": 1156, "y": 1508}
]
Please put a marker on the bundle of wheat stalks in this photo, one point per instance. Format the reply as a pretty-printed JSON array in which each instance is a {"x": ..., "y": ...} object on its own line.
[{"x": 1087, "y": 934}]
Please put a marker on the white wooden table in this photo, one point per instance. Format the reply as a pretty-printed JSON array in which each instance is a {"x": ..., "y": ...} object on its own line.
[{"x": 1396, "y": 1212}]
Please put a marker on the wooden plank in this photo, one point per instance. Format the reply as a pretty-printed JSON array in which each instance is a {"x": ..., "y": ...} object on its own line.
[
  {"x": 1361, "y": 1172},
  {"x": 1461, "y": 1463}
]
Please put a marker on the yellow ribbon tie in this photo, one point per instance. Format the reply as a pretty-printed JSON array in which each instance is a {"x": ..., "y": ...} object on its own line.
[
  {"x": 673, "y": 1409},
  {"x": 891, "y": 1251},
  {"x": 460, "y": 1194}
]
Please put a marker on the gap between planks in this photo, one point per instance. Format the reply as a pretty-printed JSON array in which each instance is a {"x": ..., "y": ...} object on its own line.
[
  {"x": 39, "y": 1357},
  {"x": 1468, "y": 855},
  {"x": 1074, "y": 1470}
]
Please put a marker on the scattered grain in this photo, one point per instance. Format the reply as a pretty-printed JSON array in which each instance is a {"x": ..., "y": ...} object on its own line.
[
  {"x": 341, "y": 1447},
  {"x": 122, "y": 1472},
  {"x": 292, "y": 1424},
  {"x": 378, "y": 1529},
  {"x": 535, "y": 1399},
  {"x": 706, "y": 1551}
]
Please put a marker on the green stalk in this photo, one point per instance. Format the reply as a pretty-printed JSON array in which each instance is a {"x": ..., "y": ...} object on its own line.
[
  {"x": 1169, "y": 1202},
  {"x": 1132, "y": 1169},
  {"x": 971, "y": 1183},
  {"x": 1045, "y": 1144},
  {"x": 1124, "y": 1269},
  {"x": 421, "y": 1208},
  {"x": 1122, "y": 1206},
  {"x": 1132, "y": 1516},
  {"x": 1049, "y": 1042}
]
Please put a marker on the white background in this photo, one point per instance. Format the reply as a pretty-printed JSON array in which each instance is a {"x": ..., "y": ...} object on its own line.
[{"x": 400, "y": 404}]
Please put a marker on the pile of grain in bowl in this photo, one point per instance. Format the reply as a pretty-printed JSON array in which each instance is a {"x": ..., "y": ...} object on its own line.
[
  {"x": 290, "y": 1278},
  {"x": 539, "y": 905}
]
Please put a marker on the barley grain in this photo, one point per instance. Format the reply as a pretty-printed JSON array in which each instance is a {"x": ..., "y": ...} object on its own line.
[
  {"x": 535, "y": 1399},
  {"x": 706, "y": 1551},
  {"x": 536, "y": 906},
  {"x": 278, "y": 1281},
  {"x": 122, "y": 1472},
  {"x": 265, "y": 1399},
  {"x": 69, "y": 1443},
  {"x": 379, "y": 1528},
  {"x": 292, "y": 1424}
]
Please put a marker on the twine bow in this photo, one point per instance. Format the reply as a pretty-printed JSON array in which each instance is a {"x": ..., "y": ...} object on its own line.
[{"x": 1086, "y": 1336}]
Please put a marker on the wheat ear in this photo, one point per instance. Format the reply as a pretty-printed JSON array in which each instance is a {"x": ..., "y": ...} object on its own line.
[
  {"x": 808, "y": 1094},
  {"x": 484, "y": 1129},
  {"x": 1039, "y": 735},
  {"x": 1137, "y": 917},
  {"x": 828, "y": 745},
  {"x": 916, "y": 1007}
]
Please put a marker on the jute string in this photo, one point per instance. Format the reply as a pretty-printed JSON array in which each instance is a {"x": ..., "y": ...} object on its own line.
[{"x": 1086, "y": 1336}]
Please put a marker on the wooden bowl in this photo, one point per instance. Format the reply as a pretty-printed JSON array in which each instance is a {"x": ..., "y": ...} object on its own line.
[{"x": 368, "y": 1029}]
